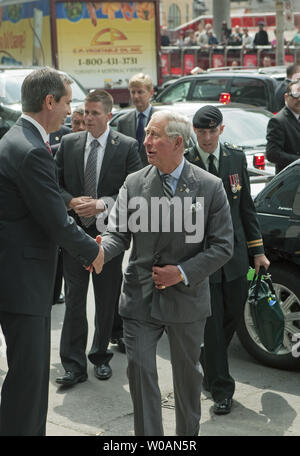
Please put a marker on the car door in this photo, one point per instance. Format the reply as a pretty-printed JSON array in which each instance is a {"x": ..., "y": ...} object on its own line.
[
  {"x": 251, "y": 91},
  {"x": 278, "y": 208}
]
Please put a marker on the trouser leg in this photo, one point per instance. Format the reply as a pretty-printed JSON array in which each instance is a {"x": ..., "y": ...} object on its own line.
[
  {"x": 75, "y": 326},
  {"x": 185, "y": 342},
  {"x": 141, "y": 340},
  {"x": 24, "y": 394},
  {"x": 107, "y": 287}
]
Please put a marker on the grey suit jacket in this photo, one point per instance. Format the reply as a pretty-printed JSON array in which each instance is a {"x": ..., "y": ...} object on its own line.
[
  {"x": 33, "y": 222},
  {"x": 127, "y": 125},
  {"x": 120, "y": 159},
  {"x": 179, "y": 303}
]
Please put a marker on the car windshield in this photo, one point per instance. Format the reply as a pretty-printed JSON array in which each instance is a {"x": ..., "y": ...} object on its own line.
[
  {"x": 10, "y": 89},
  {"x": 245, "y": 128}
]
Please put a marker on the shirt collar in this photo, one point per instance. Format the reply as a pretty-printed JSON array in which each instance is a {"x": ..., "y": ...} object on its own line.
[
  {"x": 205, "y": 155},
  {"x": 146, "y": 112},
  {"x": 102, "y": 139},
  {"x": 37, "y": 125},
  {"x": 177, "y": 171}
]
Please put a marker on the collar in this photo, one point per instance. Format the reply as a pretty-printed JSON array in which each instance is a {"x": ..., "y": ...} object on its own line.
[
  {"x": 102, "y": 139},
  {"x": 146, "y": 112},
  {"x": 177, "y": 171},
  {"x": 205, "y": 155},
  {"x": 42, "y": 131},
  {"x": 293, "y": 112}
]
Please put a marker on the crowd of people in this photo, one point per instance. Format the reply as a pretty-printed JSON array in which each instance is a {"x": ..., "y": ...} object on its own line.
[
  {"x": 205, "y": 37},
  {"x": 66, "y": 201}
]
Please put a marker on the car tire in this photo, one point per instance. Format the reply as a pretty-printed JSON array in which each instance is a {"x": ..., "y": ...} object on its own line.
[{"x": 285, "y": 278}]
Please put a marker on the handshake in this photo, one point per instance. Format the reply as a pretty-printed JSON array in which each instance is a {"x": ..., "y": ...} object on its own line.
[{"x": 98, "y": 262}]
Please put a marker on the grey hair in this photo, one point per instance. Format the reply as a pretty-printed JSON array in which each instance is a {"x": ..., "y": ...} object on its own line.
[
  {"x": 79, "y": 110},
  {"x": 178, "y": 125}
]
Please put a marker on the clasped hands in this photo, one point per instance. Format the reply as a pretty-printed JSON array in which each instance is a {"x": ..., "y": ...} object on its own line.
[
  {"x": 97, "y": 264},
  {"x": 86, "y": 206},
  {"x": 166, "y": 276}
]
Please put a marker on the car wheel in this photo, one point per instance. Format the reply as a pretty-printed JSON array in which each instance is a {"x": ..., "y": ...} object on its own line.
[{"x": 285, "y": 279}]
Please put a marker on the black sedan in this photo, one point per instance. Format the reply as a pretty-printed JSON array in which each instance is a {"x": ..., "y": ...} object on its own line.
[{"x": 278, "y": 209}]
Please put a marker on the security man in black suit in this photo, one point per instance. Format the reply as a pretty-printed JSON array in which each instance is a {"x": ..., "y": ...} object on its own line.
[
  {"x": 283, "y": 132},
  {"x": 291, "y": 70},
  {"x": 134, "y": 122},
  {"x": 228, "y": 286}
]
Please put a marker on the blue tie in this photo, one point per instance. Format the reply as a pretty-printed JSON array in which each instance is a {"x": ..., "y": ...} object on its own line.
[{"x": 140, "y": 128}]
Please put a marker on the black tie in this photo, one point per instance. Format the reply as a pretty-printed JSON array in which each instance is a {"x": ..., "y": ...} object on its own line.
[
  {"x": 140, "y": 128},
  {"x": 211, "y": 167},
  {"x": 166, "y": 186}
]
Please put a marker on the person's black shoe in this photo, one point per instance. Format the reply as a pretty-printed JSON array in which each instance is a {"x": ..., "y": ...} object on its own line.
[
  {"x": 71, "y": 378},
  {"x": 119, "y": 341},
  {"x": 103, "y": 372},
  {"x": 223, "y": 407},
  {"x": 61, "y": 299}
]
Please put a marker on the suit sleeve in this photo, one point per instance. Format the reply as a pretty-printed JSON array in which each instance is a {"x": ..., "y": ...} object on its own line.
[
  {"x": 59, "y": 158},
  {"x": 248, "y": 215},
  {"x": 219, "y": 240},
  {"x": 38, "y": 185},
  {"x": 275, "y": 144}
]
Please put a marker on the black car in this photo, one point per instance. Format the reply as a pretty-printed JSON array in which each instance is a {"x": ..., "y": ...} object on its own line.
[
  {"x": 242, "y": 86},
  {"x": 278, "y": 209}
]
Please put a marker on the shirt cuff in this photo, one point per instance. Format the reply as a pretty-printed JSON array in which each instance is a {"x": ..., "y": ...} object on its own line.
[{"x": 185, "y": 279}]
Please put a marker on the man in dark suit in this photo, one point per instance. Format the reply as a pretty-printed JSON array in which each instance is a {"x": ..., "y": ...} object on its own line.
[
  {"x": 228, "y": 286},
  {"x": 134, "y": 122},
  {"x": 291, "y": 70},
  {"x": 166, "y": 282},
  {"x": 92, "y": 166},
  {"x": 34, "y": 221},
  {"x": 283, "y": 132},
  {"x": 261, "y": 37}
]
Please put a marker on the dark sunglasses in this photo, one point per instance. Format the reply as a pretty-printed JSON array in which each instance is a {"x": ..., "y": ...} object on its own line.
[{"x": 294, "y": 94}]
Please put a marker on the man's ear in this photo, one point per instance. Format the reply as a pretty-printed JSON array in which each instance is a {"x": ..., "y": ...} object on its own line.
[{"x": 49, "y": 101}]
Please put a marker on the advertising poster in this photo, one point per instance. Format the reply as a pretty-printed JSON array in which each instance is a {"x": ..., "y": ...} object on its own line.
[
  {"x": 104, "y": 44},
  {"x": 23, "y": 40}
]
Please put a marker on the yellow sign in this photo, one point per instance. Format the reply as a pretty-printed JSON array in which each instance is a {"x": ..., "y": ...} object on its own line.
[{"x": 104, "y": 47}]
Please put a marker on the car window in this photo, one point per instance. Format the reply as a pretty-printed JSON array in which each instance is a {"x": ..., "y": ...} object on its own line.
[
  {"x": 281, "y": 197},
  {"x": 178, "y": 92},
  {"x": 208, "y": 89},
  {"x": 10, "y": 89},
  {"x": 249, "y": 91}
]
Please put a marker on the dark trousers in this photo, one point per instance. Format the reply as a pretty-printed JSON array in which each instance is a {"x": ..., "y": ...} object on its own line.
[
  {"x": 75, "y": 327},
  {"x": 227, "y": 303},
  {"x": 24, "y": 394},
  {"x": 58, "y": 277}
]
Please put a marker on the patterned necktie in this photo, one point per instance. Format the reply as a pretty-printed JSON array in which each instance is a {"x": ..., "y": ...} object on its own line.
[
  {"x": 166, "y": 186},
  {"x": 90, "y": 179},
  {"x": 211, "y": 167},
  {"x": 49, "y": 147},
  {"x": 140, "y": 128}
]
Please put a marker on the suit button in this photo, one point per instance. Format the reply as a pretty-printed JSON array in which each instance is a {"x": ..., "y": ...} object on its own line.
[{"x": 156, "y": 257}]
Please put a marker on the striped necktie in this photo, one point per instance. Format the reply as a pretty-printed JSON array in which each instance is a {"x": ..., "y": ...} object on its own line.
[
  {"x": 49, "y": 147},
  {"x": 90, "y": 179},
  {"x": 166, "y": 186}
]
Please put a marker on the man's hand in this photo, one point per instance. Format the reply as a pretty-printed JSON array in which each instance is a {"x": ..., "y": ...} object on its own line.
[
  {"x": 166, "y": 276},
  {"x": 78, "y": 201},
  {"x": 89, "y": 207},
  {"x": 261, "y": 261},
  {"x": 98, "y": 262}
]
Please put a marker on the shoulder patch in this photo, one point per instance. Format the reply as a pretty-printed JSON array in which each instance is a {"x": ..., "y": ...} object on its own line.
[{"x": 233, "y": 147}]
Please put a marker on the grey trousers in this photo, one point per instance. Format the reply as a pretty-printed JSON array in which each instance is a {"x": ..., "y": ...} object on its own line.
[{"x": 185, "y": 339}]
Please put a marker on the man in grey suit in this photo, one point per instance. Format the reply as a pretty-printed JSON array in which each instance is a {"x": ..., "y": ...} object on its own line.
[
  {"x": 166, "y": 284},
  {"x": 134, "y": 122},
  {"x": 34, "y": 221},
  {"x": 92, "y": 166}
]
